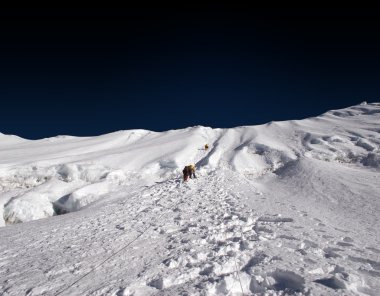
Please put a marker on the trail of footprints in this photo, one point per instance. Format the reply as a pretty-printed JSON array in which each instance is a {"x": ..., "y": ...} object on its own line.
[
  {"x": 219, "y": 252},
  {"x": 217, "y": 245}
]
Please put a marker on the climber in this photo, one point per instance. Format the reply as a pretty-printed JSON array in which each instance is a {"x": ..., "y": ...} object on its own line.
[
  {"x": 206, "y": 146},
  {"x": 188, "y": 172}
]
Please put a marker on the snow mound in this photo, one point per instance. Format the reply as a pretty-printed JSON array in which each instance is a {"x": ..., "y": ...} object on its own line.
[
  {"x": 37, "y": 203},
  {"x": 86, "y": 172},
  {"x": 83, "y": 197},
  {"x": 45, "y": 192}
]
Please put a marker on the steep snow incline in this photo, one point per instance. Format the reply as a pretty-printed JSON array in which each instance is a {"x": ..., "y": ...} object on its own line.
[
  {"x": 216, "y": 235},
  {"x": 282, "y": 208}
]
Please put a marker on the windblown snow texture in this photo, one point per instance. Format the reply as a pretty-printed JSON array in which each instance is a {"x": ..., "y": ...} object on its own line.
[{"x": 283, "y": 208}]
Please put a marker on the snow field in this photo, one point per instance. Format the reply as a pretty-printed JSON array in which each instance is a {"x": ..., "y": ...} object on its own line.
[{"x": 286, "y": 208}]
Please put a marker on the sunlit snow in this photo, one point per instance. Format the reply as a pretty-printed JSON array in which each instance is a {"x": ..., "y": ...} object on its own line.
[{"x": 288, "y": 207}]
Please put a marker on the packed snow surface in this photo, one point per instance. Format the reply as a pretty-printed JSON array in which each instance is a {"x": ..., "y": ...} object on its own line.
[{"x": 285, "y": 208}]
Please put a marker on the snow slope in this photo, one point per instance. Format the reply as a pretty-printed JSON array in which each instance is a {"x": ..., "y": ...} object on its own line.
[{"x": 283, "y": 208}]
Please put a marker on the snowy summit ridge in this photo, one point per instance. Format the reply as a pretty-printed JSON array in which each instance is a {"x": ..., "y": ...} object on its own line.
[{"x": 286, "y": 207}]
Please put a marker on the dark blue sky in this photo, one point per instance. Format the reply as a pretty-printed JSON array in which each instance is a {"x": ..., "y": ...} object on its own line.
[{"x": 92, "y": 72}]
